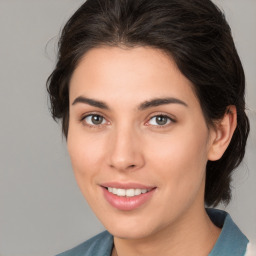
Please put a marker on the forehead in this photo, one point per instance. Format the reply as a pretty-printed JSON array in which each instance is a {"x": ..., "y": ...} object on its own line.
[{"x": 108, "y": 73}]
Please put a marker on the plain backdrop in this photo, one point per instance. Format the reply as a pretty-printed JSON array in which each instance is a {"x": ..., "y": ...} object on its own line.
[{"x": 41, "y": 209}]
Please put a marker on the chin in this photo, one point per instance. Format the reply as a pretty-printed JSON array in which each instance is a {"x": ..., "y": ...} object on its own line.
[
  {"x": 129, "y": 234},
  {"x": 130, "y": 228}
]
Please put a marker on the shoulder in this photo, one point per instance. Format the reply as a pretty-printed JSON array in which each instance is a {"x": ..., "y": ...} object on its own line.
[{"x": 99, "y": 245}]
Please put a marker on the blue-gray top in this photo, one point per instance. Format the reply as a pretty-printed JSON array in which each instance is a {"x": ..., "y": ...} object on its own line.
[{"x": 231, "y": 242}]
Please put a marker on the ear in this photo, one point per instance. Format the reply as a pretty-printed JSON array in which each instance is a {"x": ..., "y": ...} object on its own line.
[{"x": 222, "y": 134}]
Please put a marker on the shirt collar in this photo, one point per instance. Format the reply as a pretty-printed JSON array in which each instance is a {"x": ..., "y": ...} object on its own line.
[{"x": 231, "y": 240}]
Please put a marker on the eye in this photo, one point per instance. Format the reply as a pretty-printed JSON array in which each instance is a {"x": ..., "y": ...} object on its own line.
[
  {"x": 94, "y": 119},
  {"x": 160, "y": 120}
]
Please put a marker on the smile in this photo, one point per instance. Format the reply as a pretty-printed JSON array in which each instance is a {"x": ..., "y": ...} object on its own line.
[
  {"x": 127, "y": 192},
  {"x": 127, "y": 197}
]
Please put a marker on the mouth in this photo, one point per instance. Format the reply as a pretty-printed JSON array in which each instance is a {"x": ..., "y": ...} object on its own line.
[
  {"x": 131, "y": 192},
  {"x": 127, "y": 197}
]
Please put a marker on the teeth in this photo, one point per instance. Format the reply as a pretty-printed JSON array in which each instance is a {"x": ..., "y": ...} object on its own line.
[
  {"x": 121, "y": 192},
  {"x": 130, "y": 192},
  {"x": 137, "y": 192},
  {"x": 127, "y": 192}
]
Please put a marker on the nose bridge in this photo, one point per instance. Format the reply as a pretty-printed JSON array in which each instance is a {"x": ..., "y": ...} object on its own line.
[{"x": 125, "y": 148}]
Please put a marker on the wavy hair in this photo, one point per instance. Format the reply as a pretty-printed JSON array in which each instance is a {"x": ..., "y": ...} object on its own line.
[{"x": 194, "y": 33}]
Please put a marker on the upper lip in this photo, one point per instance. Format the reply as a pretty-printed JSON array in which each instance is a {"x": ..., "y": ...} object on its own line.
[{"x": 127, "y": 185}]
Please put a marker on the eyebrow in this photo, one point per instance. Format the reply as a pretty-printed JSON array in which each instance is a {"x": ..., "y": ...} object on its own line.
[
  {"x": 160, "y": 101},
  {"x": 92, "y": 102},
  {"x": 145, "y": 105}
]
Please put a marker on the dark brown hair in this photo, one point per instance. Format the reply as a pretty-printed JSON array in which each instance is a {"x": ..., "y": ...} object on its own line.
[{"x": 196, "y": 35}]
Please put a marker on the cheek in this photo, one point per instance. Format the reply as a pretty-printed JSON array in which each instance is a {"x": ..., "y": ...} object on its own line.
[
  {"x": 86, "y": 154},
  {"x": 180, "y": 161}
]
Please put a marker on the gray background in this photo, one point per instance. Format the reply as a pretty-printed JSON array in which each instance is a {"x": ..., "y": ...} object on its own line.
[{"x": 41, "y": 209}]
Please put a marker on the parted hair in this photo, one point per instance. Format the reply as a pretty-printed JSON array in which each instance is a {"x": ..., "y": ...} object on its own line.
[{"x": 196, "y": 36}]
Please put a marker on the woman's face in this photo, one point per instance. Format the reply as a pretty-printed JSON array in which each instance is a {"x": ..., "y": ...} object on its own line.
[{"x": 136, "y": 126}]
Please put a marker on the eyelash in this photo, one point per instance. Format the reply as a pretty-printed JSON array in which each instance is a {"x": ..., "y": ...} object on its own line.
[
  {"x": 83, "y": 120},
  {"x": 169, "y": 120}
]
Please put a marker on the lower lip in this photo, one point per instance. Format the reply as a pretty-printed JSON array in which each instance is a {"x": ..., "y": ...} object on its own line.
[{"x": 124, "y": 203}]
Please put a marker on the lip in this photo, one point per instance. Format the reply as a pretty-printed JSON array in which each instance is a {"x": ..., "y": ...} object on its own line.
[
  {"x": 125, "y": 185},
  {"x": 124, "y": 203}
]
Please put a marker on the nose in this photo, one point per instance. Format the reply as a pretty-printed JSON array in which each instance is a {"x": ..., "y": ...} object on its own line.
[{"x": 125, "y": 150}]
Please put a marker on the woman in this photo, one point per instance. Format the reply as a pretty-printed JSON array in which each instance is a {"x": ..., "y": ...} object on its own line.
[{"x": 151, "y": 98}]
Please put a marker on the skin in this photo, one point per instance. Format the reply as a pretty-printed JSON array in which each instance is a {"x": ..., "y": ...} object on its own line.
[{"x": 130, "y": 146}]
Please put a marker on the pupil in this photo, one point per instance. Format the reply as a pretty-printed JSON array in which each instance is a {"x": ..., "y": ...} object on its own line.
[
  {"x": 97, "y": 119},
  {"x": 161, "y": 120}
]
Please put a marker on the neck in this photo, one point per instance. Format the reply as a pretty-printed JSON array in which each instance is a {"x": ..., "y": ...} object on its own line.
[{"x": 193, "y": 234}]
